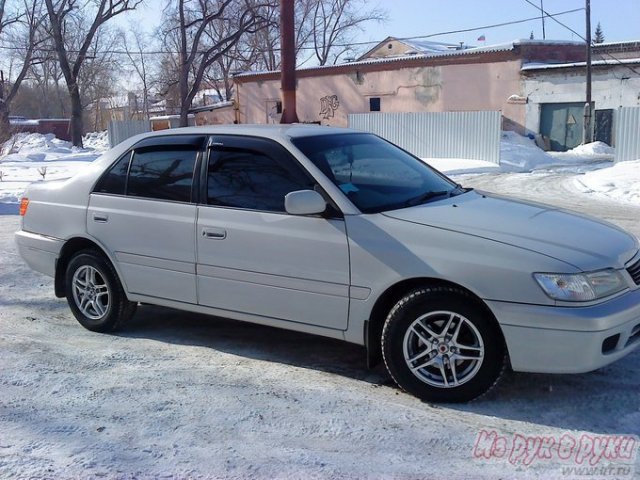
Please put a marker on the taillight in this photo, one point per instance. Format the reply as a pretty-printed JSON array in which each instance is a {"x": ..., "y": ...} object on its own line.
[{"x": 24, "y": 204}]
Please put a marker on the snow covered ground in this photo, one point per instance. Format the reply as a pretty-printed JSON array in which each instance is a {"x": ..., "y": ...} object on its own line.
[
  {"x": 30, "y": 157},
  {"x": 179, "y": 395}
]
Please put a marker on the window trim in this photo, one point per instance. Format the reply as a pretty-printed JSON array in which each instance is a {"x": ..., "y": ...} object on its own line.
[{"x": 160, "y": 143}]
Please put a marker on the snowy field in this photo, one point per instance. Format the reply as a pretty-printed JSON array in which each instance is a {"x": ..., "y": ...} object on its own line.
[{"x": 179, "y": 395}]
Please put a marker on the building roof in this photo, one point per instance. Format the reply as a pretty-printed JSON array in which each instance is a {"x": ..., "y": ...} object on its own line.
[
  {"x": 213, "y": 106},
  {"x": 533, "y": 66},
  {"x": 411, "y": 59},
  {"x": 417, "y": 46}
]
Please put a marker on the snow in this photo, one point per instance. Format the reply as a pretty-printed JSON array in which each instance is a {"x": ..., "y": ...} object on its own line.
[
  {"x": 595, "y": 63},
  {"x": 594, "y": 172},
  {"x": 31, "y": 157},
  {"x": 181, "y": 395},
  {"x": 621, "y": 182}
]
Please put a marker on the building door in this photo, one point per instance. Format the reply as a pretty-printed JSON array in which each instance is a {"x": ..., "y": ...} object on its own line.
[
  {"x": 604, "y": 126},
  {"x": 562, "y": 123}
]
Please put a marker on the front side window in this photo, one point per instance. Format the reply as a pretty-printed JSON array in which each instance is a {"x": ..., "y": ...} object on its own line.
[
  {"x": 165, "y": 174},
  {"x": 252, "y": 179},
  {"x": 375, "y": 174}
]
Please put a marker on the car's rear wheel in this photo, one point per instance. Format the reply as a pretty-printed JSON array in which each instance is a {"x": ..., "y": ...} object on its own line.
[
  {"x": 441, "y": 345},
  {"x": 95, "y": 294}
]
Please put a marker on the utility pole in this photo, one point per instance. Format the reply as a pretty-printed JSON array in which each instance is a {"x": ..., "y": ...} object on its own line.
[
  {"x": 586, "y": 133},
  {"x": 288, "y": 69},
  {"x": 544, "y": 35}
]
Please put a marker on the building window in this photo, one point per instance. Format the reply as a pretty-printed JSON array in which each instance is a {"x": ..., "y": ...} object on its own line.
[
  {"x": 278, "y": 107},
  {"x": 374, "y": 104}
]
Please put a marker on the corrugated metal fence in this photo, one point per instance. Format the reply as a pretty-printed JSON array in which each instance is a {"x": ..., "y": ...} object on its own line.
[
  {"x": 473, "y": 135},
  {"x": 121, "y": 130},
  {"x": 628, "y": 134}
]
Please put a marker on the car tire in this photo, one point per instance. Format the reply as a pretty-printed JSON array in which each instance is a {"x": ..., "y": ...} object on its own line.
[
  {"x": 441, "y": 345},
  {"x": 95, "y": 294}
]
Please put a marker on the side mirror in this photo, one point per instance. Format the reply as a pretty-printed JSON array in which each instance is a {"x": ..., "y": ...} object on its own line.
[{"x": 304, "y": 202}]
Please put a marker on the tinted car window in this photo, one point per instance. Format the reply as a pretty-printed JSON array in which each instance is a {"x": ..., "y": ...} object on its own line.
[
  {"x": 375, "y": 174},
  {"x": 115, "y": 180},
  {"x": 162, "y": 174},
  {"x": 252, "y": 179}
]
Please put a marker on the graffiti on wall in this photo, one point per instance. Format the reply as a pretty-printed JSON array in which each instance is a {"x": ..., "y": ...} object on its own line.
[{"x": 328, "y": 105}]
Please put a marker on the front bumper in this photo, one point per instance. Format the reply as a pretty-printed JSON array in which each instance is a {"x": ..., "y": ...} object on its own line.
[
  {"x": 38, "y": 251},
  {"x": 548, "y": 339}
]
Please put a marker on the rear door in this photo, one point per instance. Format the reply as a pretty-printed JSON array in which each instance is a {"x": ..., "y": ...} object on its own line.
[
  {"x": 143, "y": 211},
  {"x": 255, "y": 258}
]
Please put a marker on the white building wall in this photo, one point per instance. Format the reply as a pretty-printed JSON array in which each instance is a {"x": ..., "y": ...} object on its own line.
[{"x": 613, "y": 88}]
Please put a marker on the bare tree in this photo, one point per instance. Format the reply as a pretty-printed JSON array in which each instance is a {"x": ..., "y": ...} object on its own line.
[
  {"x": 71, "y": 62},
  {"x": 135, "y": 46},
  {"x": 24, "y": 39},
  {"x": 199, "y": 44},
  {"x": 334, "y": 23}
]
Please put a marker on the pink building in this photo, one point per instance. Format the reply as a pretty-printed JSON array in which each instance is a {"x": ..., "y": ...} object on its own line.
[{"x": 400, "y": 76}]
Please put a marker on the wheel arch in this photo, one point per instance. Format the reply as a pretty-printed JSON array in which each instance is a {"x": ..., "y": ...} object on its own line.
[
  {"x": 384, "y": 303},
  {"x": 69, "y": 249}
]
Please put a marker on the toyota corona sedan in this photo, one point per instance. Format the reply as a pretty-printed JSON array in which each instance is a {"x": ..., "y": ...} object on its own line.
[{"x": 338, "y": 233}]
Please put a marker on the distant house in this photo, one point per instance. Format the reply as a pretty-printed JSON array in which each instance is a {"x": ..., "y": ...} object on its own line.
[
  {"x": 522, "y": 79},
  {"x": 391, "y": 47},
  {"x": 58, "y": 126}
]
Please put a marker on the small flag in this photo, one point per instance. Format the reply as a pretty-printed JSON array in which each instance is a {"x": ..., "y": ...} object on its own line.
[{"x": 481, "y": 38}]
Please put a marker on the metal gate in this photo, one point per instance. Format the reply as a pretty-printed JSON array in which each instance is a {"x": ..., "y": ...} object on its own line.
[
  {"x": 604, "y": 126},
  {"x": 562, "y": 124}
]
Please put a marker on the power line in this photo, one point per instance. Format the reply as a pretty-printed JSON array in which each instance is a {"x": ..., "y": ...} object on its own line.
[
  {"x": 545, "y": 13},
  {"x": 580, "y": 36},
  {"x": 373, "y": 42}
]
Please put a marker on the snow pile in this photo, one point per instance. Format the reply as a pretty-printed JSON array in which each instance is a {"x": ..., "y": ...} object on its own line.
[
  {"x": 32, "y": 157},
  {"x": 621, "y": 182},
  {"x": 521, "y": 154},
  {"x": 595, "y": 148},
  {"x": 35, "y": 147},
  {"x": 459, "y": 166},
  {"x": 96, "y": 141}
]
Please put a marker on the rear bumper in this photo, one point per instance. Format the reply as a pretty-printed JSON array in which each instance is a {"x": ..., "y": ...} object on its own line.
[
  {"x": 547, "y": 339},
  {"x": 38, "y": 251}
]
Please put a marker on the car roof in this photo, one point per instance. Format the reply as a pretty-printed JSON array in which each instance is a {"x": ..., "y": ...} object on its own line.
[{"x": 268, "y": 131}]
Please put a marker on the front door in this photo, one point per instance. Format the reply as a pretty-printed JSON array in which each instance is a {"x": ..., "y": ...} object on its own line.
[{"x": 255, "y": 258}]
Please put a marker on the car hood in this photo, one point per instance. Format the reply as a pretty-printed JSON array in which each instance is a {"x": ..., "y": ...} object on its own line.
[{"x": 584, "y": 242}]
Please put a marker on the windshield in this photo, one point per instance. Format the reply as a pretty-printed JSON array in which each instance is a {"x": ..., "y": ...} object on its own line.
[{"x": 375, "y": 174}]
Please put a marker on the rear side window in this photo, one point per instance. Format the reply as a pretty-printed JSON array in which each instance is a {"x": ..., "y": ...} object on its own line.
[
  {"x": 162, "y": 174},
  {"x": 115, "y": 180}
]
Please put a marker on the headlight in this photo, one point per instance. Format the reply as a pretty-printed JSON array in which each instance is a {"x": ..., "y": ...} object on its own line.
[{"x": 580, "y": 287}]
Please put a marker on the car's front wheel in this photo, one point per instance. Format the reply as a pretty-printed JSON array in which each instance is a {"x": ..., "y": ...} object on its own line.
[
  {"x": 440, "y": 345},
  {"x": 95, "y": 294}
]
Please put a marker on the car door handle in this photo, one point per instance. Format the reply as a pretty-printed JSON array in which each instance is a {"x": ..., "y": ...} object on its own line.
[
  {"x": 214, "y": 233},
  {"x": 100, "y": 217}
]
